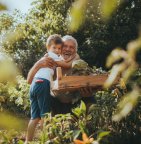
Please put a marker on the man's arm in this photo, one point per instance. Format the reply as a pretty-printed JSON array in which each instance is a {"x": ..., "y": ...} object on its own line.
[
  {"x": 64, "y": 64},
  {"x": 43, "y": 62}
]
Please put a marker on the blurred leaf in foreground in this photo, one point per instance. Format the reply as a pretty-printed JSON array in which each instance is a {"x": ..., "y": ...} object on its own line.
[
  {"x": 8, "y": 121},
  {"x": 80, "y": 8},
  {"x": 108, "y": 6},
  {"x": 2, "y": 7},
  {"x": 128, "y": 64},
  {"x": 8, "y": 69},
  {"x": 126, "y": 68},
  {"x": 128, "y": 102},
  {"x": 11, "y": 36},
  {"x": 77, "y": 14}
]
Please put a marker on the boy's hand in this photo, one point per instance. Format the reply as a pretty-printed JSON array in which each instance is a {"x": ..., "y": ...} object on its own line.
[{"x": 45, "y": 62}]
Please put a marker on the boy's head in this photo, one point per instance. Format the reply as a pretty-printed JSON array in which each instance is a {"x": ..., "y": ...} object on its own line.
[{"x": 54, "y": 44}]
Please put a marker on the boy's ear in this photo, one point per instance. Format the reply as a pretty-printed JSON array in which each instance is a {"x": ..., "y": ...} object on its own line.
[{"x": 48, "y": 47}]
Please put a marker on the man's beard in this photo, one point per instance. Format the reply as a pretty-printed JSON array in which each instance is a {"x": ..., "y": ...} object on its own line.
[{"x": 66, "y": 55}]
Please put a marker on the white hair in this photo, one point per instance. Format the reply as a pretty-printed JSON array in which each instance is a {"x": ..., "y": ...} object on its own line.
[{"x": 68, "y": 37}]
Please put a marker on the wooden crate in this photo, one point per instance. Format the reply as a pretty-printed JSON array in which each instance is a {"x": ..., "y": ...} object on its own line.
[{"x": 72, "y": 83}]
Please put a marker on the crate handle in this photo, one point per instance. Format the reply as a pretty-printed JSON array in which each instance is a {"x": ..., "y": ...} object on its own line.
[{"x": 59, "y": 73}]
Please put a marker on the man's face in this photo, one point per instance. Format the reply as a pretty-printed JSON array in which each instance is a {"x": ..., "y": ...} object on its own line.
[{"x": 68, "y": 49}]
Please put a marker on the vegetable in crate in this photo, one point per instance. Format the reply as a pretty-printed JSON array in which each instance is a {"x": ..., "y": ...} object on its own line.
[{"x": 80, "y": 67}]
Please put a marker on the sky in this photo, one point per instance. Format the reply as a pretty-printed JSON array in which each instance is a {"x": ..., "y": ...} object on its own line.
[{"x": 22, "y": 5}]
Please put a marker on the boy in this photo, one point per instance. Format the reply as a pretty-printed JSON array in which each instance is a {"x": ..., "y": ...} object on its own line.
[{"x": 40, "y": 97}]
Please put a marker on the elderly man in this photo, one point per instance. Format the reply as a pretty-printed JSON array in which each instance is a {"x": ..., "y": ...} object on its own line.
[{"x": 69, "y": 48}]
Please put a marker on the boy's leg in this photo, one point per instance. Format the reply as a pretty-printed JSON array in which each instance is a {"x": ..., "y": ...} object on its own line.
[
  {"x": 44, "y": 99},
  {"x": 31, "y": 129},
  {"x": 41, "y": 123},
  {"x": 40, "y": 105},
  {"x": 35, "y": 113}
]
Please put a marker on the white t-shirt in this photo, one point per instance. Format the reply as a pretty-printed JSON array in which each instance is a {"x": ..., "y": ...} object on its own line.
[{"x": 47, "y": 73}]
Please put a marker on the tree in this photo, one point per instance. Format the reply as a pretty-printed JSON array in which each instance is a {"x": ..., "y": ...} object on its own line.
[
  {"x": 45, "y": 18},
  {"x": 97, "y": 38}
]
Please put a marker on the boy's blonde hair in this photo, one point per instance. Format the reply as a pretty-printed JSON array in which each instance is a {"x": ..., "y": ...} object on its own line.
[{"x": 55, "y": 39}]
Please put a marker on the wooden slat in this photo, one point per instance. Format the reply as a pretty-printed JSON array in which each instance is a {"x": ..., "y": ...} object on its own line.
[
  {"x": 59, "y": 73},
  {"x": 81, "y": 81},
  {"x": 70, "y": 83}
]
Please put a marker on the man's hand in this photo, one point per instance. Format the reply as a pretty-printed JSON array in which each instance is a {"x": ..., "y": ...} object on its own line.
[{"x": 86, "y": 92}]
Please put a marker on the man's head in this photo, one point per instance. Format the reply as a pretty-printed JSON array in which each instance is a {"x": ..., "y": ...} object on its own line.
[
  {"x": 69, "y": 47},
  {"x": 54, "y": 44}
]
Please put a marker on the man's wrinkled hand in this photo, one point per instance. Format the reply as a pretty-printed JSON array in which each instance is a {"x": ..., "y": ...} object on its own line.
[{"x": 86, "y": 92}]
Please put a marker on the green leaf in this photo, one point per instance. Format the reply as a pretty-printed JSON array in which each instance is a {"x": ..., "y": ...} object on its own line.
[
  {"x": 108, "y": 7},
  {"x": 78, "y": 14},
  {"x": 77, "y": 111},
  {"x": 83, "y": 107},
  {"x": 76, "y": 133},
  {"x": 103, "y": 134}
]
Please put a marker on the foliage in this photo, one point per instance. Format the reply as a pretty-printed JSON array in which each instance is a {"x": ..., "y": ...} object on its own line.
[
  {"x": 66, "y": 128},
  {"x": 125, "y": 68},
  {"x": 96, "y": 37},
  {"x": 125, "y": 131},
  {"x": 14, "y": 96},
  {"x": 6, "y": 21},
  {"x": 7, "y": 137},
  {"x": 32, "y": 30}
]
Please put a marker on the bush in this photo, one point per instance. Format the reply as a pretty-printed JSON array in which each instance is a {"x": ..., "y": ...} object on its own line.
[
  {"x": 125, "y": 131},
  {"x": 15, "y": 96}
]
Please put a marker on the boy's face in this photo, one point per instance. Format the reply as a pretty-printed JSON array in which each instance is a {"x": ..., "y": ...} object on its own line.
[{"x": 55, "y": 48}]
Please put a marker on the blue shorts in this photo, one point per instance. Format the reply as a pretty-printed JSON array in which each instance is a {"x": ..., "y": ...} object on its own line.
[{"x": 40, "y": 97}]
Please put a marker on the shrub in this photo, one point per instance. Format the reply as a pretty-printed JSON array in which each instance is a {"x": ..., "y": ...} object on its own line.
[{"x": 15, "y": 96}]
